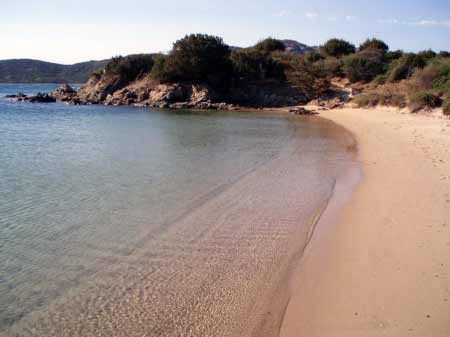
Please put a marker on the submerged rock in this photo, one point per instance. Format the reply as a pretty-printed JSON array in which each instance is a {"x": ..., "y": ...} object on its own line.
[{"x": 41, "y": 98}]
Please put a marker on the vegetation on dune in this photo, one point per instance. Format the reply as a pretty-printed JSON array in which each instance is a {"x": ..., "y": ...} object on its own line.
[
  {"x": 385, "y": 98},
  {"x": 270, "y": 45},
  {"x": 405, "y": 66},
  {"x": 446, "y": 106},
  {"x": 374, "y": 44},
  {"x": 364, "y": 65},
  {"x": 424, "y": 100},
  {"x": 337, "y": 48}
]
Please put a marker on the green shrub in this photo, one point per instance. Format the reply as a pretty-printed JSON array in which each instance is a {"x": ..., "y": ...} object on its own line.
[
  {"x": 442, "y": 80},
  {"x": 159, "y": 71},
  {"x": 367, "y": 100},
  {"x": 446, "y": 107},
  {"x": 391, "y": 56},
  {"x": 372, "y": 99},
  {"x": 130, "y": 67},
  {"x": 374, "y": 44},
  {"x": 330, "y": 67},
  {"x": 337, "y": 48},
  {"x": 253, "y": 64},
  {"x": 270, "y": 45},
  {"x": 197, "y": 58},
  {"x": 364, "y": 66},
  {"x": 380, "y": 79},
  {"x": 313, "y": 56},
  {"x": 405, "y": 66},
  {"x": 397, "y": 100},
  {"x": 444, "y": 54},
  {"x": 311, "y": 79},
  {"x": 423, "y": 100},
  {"x": 427, "y": 55}
]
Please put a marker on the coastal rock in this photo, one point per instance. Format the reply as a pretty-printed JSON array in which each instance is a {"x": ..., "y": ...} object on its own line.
[
  {"x": 40, "y": 98},
  {"x": 334, "y": 103},
  {"x": 201, "y": 94},
  {"x": 179, "y": 105},
  {"x": 300, "y": 111},
  {"x": 97, "y": 88},
  {"x": 64, "y": 93},
  {"x": 167, "y": 93}
]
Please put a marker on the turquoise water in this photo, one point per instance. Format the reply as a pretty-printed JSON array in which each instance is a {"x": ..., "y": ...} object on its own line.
[{"x": 125, "y": 221}]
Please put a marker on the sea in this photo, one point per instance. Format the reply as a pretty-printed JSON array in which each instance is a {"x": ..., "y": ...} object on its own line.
[{"x": 122, "y": 221}]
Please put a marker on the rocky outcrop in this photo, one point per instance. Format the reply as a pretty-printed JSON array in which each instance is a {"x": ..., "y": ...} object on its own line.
[
  {"x": 38, "y": 98},
  {"x": 64, "y": 93},
  {"x": 98, "y": 87},
  {"x": 300, "y": 111},
  {"x": 112, "y": 90}
]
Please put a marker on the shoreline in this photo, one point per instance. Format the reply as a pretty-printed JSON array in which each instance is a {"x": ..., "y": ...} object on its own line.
[{"x": 377, "y": 265}]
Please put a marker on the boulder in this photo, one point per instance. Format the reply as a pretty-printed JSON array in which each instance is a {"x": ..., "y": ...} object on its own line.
[
  {"x": 167, "y": 93},
  {"x": 334, "y": 103},
  {"x": 40, "y": 98},
  {"x": 63, "y": 93},
  {"x": 300, "y": 111},
  {"x": 179, "y": 105}
]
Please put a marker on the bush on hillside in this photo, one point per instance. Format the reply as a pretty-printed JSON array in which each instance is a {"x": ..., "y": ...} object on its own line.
[
  {"x": 405, "y": 66},
  {"x": 270, "y": 45},
  {"x": 313, "y": 56},
  {"x": 442, "y": 80},
  {"x": 308, "y": 78},
  {"x": 331, "y": 67},
  {"x": 253, "y": 64},
  {"x": 380, "y": 79},
  {"x": 159, "y": 71},
  {"x": 196, "y": 58},
  {"x": 337, "y": 48},
  {"x": 364, "y": 66},
  {"x": 391, "y": 56},
  {"x": 130, "y": 67},
  {"x": 427, "y": 55},
  {"x": 446, "y": 107},
  {"x": 424, "y": 101},
  {"x": 374, "y": 44},
  {"x": 386, "y": 98}
]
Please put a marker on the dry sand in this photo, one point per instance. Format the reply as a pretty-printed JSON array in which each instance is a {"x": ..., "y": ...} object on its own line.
[{"x": 381, "y": 265}]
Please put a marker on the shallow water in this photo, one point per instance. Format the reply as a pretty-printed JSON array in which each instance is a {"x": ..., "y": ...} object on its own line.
[{"x": 137, "y": 222}]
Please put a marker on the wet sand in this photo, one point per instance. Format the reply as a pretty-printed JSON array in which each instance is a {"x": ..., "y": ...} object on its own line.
[{"x": 381, "y": 265}]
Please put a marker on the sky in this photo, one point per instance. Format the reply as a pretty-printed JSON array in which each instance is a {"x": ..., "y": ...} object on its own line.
[{"x": 70, "y": 31}]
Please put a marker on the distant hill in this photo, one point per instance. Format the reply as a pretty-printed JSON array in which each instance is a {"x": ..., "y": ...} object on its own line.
[
  {"x": 34, "y": 71},
  {"x": 296, "y": 47},
  {"x": 292, "y": 46}
]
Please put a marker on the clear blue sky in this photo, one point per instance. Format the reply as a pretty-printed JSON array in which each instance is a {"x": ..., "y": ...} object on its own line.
[{"x": 71, "y": 31}]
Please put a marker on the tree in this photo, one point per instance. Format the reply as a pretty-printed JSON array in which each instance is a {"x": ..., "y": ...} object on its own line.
[
  {"x": 255, "y": 64},
  {"x": 196, "y": 58},
  {"x": 269, "y": 45},
  {"x": 364, "y": 66},
  {"x": 405, "y": 66},
  {"x": 337, "y": 48},
  {"x": 374, "y": 44},
  {"x": 130, "y": 67}
]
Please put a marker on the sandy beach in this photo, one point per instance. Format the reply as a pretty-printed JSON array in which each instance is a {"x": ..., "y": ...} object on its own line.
[{"x": 380, "y": 265}]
